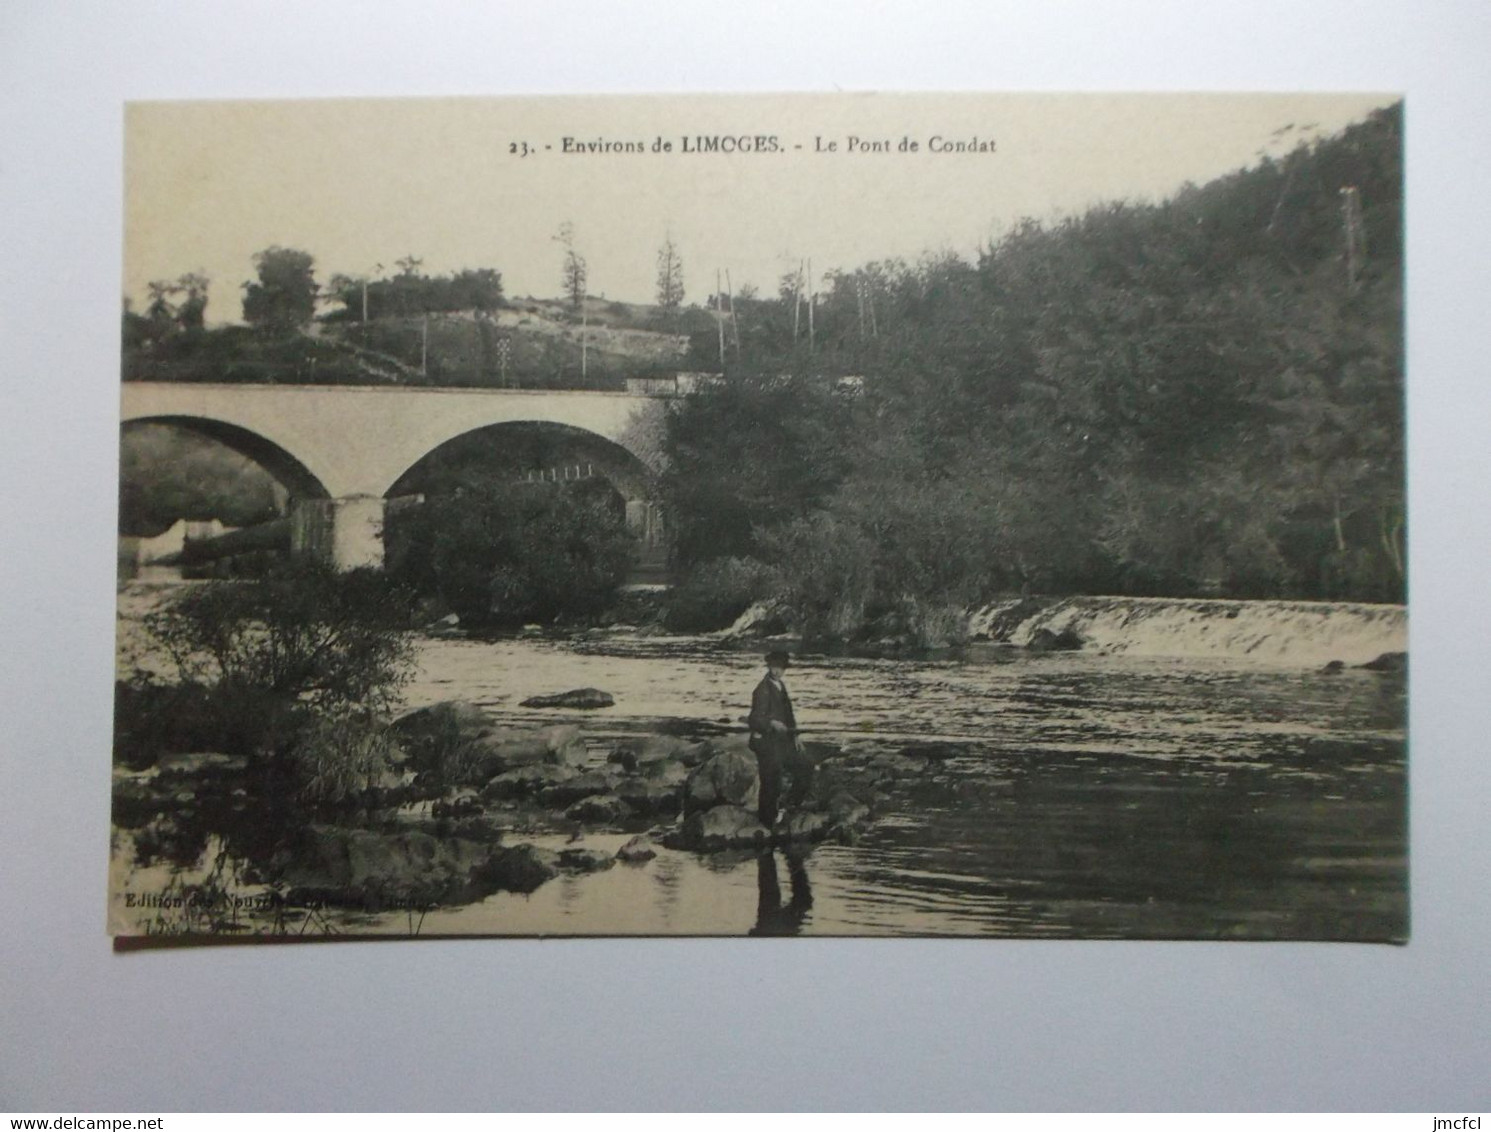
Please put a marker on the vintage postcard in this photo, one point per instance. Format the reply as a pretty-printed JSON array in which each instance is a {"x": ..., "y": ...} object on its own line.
[{"x": 934, "y": 515}]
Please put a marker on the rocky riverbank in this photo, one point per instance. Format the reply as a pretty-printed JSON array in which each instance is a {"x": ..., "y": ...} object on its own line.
[{"x": 457, "y": 817}]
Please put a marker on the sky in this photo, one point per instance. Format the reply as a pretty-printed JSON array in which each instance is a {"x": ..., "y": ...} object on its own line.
[{"x": 361, "y": 184}]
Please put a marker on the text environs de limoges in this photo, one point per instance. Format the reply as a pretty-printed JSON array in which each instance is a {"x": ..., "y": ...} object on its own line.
[{"x": 774, "y": 143}]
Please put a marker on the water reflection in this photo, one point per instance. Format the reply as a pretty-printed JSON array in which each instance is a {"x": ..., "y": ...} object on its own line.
[
  {"x": 772, "y": 916},
  {"x": 1074, "y": 795}
]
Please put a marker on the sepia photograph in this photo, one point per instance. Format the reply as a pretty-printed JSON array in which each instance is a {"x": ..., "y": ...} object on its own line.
[{"x": 956, "y": 515}]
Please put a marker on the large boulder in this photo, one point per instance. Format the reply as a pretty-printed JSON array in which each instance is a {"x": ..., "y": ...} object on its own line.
[
  {"x": 525, "y": 781},
  {"x": 442, "y": 723},
  {"x": 846, "y": 811},
  {"x": 1044, "y": 640},
  {"x": 575, "y": 860},
  {"x": 371, "y": 869},
  {"x": 522, "y": 868},
  {"x": 457, "y": 743},
  {"x": 727, "y": 778},
  {"x": 643, "y": 751},
  {"x": 560, "y": 745},
  {"x": 1388, "y": 662},
  {"x": 736, "y": 743},
  {"x": 654, "y": 793},
  {"x": 721, "y": 827},
  {"x": 599, "y": 809},
  {"x": 585, "y": 698},
  {"x": 804, "y": 825},
  {"x": 571, "y": 790},
  {"x": 637, "y": 850}
]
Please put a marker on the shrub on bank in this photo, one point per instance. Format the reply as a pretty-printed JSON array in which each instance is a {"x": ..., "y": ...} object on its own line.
[
  {"x": 715, "y": 593},
  {"x": 305, "y": 635},
  {"x": 828, "y": 567},
  {"x": 517, "y": 555},
  {"x": 295, "y": 670},
  {"x": 338, "y": 758}
]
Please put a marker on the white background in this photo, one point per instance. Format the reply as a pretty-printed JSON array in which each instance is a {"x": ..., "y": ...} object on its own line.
[{"x": 687, "y": 1023}]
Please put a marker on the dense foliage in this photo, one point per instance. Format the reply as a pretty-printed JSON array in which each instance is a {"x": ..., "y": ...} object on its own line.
[
  {"x": 508, "y": 554},
  {"x": 306, "y": 635},
  {"x": 1198, "y": 396},
  {"x": 283, "y": 298},
  {"x": 411, "y": 292},
  {"x": 299, "y": 671}
]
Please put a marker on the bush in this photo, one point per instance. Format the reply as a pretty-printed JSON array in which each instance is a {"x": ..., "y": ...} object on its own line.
[
  {"x": 829, "y": 570},
  {"x": 152, "y": 719},
  {"x": 338, "y": 758},
  {"x": 716, "y": 593},
  {"x": 513, "y": 554},
  {"x": 303, "y": 636},
  {"x": 442, "y": 746}
]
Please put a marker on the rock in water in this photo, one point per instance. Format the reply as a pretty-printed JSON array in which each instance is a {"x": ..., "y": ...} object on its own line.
[
  {"x": 363, "y": 867},
  {"x": 728, "y": 778},
  {"x": 645, "y": 750},
  {"x": 602, "y": 809},
  {"x": 584, "y": 860},
  {"x": 723, "y": 827},
  {"x": 525, "y": 780},
  {"x": 519, "y": 869},
  {"x": 573, "y": 789},
  {"x": 1044, "y": 640},
  {"x": 805, "y": 825},
  {"x": 846, "y": 810},
  {"x": 636, "y": 850},
  {"x": 1388, "y": 662},
  {"x": 586, "y": 698},
  {"x": 654, "y": 793}
]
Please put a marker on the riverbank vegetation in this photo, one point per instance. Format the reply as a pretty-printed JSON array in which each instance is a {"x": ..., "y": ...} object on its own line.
[
  {"x": 1201, "y": 396},
  {"x": 501, "y": 554}
]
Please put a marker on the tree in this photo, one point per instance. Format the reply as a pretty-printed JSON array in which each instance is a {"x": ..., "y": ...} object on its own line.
[
  {"x": 190, "y": 314},
  {"x": 669, "y": 277},
  {"x": 284, "y": 298},
  {"x": 504, "y": 556},
  {"x": 748, "y": 453},
  {"x": 306, "y": 636},
  {"x": 573, "y": 272}
]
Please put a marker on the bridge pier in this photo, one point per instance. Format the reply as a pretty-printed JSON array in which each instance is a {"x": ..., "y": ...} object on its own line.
[{"x": 343, "y": 533}]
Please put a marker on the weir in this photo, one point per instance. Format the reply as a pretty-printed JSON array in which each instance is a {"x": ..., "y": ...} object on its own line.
[{"x": 1270, "y": 632}]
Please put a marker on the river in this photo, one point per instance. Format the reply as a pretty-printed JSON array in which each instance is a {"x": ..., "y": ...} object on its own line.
[
  {"x": 1072, "y": 794},
  {"x": 1084, "y": 795}
]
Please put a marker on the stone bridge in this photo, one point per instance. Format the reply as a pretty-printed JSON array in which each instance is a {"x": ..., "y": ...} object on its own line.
[{"x": 339, "y": 449}]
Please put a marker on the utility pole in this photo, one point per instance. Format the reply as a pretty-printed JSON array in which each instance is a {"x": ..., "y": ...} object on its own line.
[
  {"x": 796, "y": 303},
  {"x": 424, "y": 346},
  {"x": 584, "y": 336},
  {"x": 734, "y": 320},
  {"x": 378, "y": 271},
  {"x": 1351, "y": 223},
  {"x": 719, "y": 317},
  {"x": 810, "y": 304}
]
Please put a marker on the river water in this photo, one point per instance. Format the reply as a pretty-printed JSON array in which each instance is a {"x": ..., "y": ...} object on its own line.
[{"x": 1076, "y": 795}]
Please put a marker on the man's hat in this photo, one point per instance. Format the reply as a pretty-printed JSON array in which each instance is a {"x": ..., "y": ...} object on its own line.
[{"x": 778, "y": 658}]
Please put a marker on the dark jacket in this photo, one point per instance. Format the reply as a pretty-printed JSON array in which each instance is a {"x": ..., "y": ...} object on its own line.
[{"x": 771, "y": 702}]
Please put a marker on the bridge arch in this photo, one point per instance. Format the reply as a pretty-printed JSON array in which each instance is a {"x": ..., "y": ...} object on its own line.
[
  {"x": 342, "y": 449},
  {"x": 540, "y": 450},
  {"x": 293, "y": 475}
]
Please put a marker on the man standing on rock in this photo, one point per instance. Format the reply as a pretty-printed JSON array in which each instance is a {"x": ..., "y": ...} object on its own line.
[{"x": 774, "y": 740}]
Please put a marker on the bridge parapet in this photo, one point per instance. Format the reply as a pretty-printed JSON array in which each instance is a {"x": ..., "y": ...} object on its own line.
[{"x": 348, "y": 445}]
